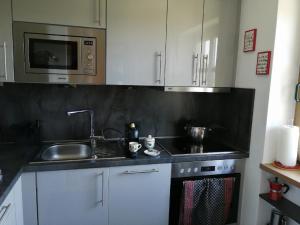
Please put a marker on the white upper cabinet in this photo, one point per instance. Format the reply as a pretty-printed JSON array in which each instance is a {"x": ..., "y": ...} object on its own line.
[
  {"x": 11, "y": 210},
  {"x": 6, "y": 42},
  {"x": 136, "y": 34},
  {"x": 219, "y": 44},
  {"x": 84, "y": 13},
  {"x": 202, "y": 42},
  {"x": 184, "y": 42}
]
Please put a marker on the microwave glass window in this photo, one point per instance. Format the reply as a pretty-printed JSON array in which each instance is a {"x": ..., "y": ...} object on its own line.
[{"x": 53, "y": 54}]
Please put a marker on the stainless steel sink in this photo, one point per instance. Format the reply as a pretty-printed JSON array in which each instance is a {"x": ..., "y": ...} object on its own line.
[{"x": 67, "y": 152}]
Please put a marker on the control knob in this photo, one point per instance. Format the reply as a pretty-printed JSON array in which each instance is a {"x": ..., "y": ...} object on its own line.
[{"x": 90, "y": 57}]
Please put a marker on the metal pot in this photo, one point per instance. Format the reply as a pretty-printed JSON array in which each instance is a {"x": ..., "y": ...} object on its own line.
[{"x": 197, "y": 134}]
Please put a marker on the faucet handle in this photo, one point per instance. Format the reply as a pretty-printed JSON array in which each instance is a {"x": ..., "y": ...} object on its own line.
[{"x": 100, "y": 138}]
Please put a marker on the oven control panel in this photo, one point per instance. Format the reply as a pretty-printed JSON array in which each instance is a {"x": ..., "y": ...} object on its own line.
[{"x": 204, "y": 168}]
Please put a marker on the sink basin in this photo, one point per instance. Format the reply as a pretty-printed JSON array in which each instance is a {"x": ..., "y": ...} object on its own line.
[{"x": 67, "y": 152}]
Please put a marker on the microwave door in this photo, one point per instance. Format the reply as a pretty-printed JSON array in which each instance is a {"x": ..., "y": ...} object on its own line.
[{"x": 52, "y": 54}]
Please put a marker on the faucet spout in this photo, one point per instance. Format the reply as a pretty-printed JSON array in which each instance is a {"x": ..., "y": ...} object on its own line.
[{"x": 91, "y": 112}]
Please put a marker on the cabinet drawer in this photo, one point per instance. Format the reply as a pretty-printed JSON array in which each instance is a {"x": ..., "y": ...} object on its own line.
[{"x": 136, "y": 193}]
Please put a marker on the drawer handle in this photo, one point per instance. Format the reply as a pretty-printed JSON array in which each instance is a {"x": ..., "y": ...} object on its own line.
[
  {"x": 5, "y": 61},
  {"x": 195, "y": 68},
  {"x": 4, "y": 210},
  {"x": 100, "y": 184},
  {"x": 98, "y": 12},
  {"x": 140, "y": 171},
  {"x": 158, "y": 79}
]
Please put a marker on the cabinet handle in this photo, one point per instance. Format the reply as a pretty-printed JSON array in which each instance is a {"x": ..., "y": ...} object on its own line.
[
  {"x": 195, "y": 68},
  {"x": 297, "y": 98},
  {"x": 100, "y": 193},
  {"x": 4, "y": 210},
  {"x": 204, "y": 70},
  {"x": 159, "y": 55},
  {"x": 98, "y": 11},
  {"x": 127, "y": 172},
  {"x": 5, "y": 60}
]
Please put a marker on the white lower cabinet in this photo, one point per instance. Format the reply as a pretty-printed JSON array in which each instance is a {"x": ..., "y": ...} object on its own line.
[
  {"x": 139, "y": 195},
  {"x": 73, "y": 197},
  {"x": 8, "y": 211},
  {"x": 129, "y": 195},
  {"x": 11, "y": 210}
]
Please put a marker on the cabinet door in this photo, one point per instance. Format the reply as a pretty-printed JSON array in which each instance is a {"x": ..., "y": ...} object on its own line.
[
  {"x": 6, "y": 43},
  {"x": 136, "y": 34},
  {"x": 85, "y": 13},
  {"x": 74, "y": 197},
  {"x": 19, "y": 202},
  {"x": 29, "y": 198},
  {"x": 8, "y": 211},
  {"x": 139, "y": 195},
  {"x": 219, "y": 45},
  {"x": 184, "y": 42}
]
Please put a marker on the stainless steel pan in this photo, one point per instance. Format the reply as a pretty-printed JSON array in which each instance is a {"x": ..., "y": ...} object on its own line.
[{"x": 197, "y": 134}]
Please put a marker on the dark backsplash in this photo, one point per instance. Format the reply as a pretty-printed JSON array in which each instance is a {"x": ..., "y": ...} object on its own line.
[{"x": 156, "y": 112}]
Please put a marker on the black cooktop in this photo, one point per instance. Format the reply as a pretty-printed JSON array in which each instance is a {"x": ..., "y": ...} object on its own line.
[{"x": 184, "y": 146}]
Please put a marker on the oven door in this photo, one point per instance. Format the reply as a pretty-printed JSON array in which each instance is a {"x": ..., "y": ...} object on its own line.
[
  {"x": 52, "y": 54},
  {"x": 201, "y": 203}
]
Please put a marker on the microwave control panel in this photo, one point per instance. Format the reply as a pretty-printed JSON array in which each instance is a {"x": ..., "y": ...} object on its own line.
[{"x": 89, "y": 56}]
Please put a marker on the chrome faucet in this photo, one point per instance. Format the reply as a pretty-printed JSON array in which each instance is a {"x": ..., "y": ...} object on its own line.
[{"x": 93, "y": 138}]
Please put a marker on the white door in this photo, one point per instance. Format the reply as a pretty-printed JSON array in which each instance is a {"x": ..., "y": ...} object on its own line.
[
  {"x": 6, "y": 42},
  {"x": 136, "y": 34},
  {"x": 219, "y": 45},
  {"x": 85, "y": 13},
  {"x": 184, "y": 42},
  {"x": 139, "y": 195},
  {"x": 73, "y": 197}
]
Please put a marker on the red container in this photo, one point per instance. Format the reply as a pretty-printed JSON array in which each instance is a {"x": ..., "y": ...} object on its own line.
[{"x": 276, "y": 189}]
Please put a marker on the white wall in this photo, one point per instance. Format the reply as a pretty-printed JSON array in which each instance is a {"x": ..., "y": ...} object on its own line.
[
  {"x": 260, "y": 14},
  {"x": 276, "y": 21},
  {"x": 285, "y": 73}
]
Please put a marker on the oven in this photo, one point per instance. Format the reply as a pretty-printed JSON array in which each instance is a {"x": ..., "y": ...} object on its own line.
[
  {"x": 205, "y": 192},
  {"x": 58, "y": 54}
]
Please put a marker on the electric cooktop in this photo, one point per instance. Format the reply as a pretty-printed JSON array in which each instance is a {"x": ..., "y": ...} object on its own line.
[{"x": 184, "y": 146}]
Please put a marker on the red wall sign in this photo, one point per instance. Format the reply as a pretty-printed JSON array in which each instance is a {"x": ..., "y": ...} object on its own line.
[
  {"x": 250, "y": 40},
  {"x": 263, "y": 63}
]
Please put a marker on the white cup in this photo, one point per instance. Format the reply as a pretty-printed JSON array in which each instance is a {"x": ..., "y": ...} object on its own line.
[
  {"x": 134, "y": 146},
  {"x": 149, "y": 142}
]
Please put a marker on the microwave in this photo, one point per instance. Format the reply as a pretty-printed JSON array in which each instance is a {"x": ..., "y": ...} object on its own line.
[{"x": 58, "y": 54}]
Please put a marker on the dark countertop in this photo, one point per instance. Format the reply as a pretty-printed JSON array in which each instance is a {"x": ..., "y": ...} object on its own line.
[{"x": 15, "y": 159}]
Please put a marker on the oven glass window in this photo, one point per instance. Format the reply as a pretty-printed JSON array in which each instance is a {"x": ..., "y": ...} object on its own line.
[{"x": 53, "y": 54}]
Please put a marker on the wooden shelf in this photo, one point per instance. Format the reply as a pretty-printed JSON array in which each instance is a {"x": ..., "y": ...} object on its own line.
[
  {"x": 292, "y": 177},
  {"x": 287, "y": 207}
]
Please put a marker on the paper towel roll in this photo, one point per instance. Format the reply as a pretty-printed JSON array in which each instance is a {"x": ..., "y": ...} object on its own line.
[{"x": 288, "y": 145}]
